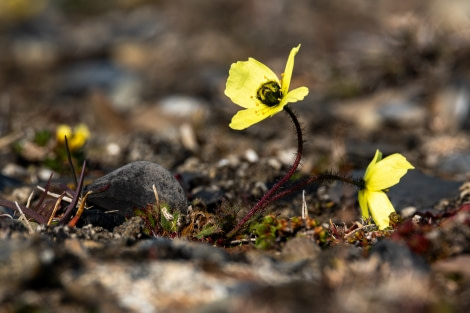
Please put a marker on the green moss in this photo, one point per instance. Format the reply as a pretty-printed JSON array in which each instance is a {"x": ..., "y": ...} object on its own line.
[
  {"x": 42, "y": 137},
  {"x": 266, "y": 232},
  {"x": 150, "y": 215},
  {"x": 208, "y": 230}
]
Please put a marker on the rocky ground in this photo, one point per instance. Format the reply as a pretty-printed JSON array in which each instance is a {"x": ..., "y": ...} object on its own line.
[{"x": 147, "y": 78}]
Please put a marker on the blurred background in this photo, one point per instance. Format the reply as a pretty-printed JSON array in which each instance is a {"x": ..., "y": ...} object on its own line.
[{"x": 147, "y": 78}]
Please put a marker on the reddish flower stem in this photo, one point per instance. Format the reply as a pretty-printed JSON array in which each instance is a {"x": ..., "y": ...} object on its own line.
[
  {"x": 323, "y": 177},
  {"x": 266, "y": 199}
]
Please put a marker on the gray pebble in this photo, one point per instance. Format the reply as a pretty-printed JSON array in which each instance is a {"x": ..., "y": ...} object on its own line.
[
  {"x": 403, "y": 113},
  {"x": 131, "y": 187},
  {"x": 457, "y": 164},
  {"x": 421, "y": 191},
  {"x": 171, "y": 249},
  {"x": 399, "y": 256}
]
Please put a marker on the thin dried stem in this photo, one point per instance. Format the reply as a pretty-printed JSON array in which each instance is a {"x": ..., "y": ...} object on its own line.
[
  {"x": 80, "y": 210},
  {"x": 304, "y": 207},
  {"x": 30, "y": 198},
  {"x": 27, "y": 211},
  {"x": 69, "y": 158},
  {"x": 23, "y": 217},
  {"x": 43, "y": 196},
  {"x": 76, "y": 196},
  {"x": 55, "y": 209},
  {"x": 65, "y": 197},
  {"x": 155, "y": 192}
]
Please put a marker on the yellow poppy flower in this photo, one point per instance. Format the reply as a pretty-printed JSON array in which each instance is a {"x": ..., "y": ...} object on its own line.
[
  {"x": 62, "y": 131},
  {"x": 76, "y": 138},
  {"x": 254, "y": 86},
  {"x": 381, "y": 174}
]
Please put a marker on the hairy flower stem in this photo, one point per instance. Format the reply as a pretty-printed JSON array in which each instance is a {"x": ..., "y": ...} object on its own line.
[
  {"x": 266, "y": 199},
  {"x": 320, "y": 178}
]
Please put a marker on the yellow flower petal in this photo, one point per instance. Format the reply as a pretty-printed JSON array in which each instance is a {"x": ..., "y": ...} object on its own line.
[
  {"x": 82, "y": 129},
  {"x": 245, "y": 77},
  {"x": 387, "y": 172},
  {"x": 381, "y": 174},
  {"x": 380, "y": 208},
  {"x": 255, "y": 87},
  {"x": 245, "y": 118},
  {"x": 80, "y": 136},
  {"x": 76, "y": 138},
  {"x": 286, "y": 77},
  {"x": 294, "y": 96},
  {"x": 61, "y": 132},
  {"x": 363, "y": 203},
  {"x": 377, "y": 157}
]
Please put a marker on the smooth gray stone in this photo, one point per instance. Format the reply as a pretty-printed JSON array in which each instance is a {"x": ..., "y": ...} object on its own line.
[
  {"x": 399, "y": 257},
  {"x": 130, "y": 187},
  {"x": 422, "y": 191},
  {"x": 457, "y": 164}
]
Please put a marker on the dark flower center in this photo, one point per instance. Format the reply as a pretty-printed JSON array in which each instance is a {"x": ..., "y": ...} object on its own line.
[{"x": 269, "y": 93}]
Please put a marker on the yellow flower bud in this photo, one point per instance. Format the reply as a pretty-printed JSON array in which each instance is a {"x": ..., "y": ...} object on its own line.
[
  {"x": 75, "y": 139},
  {"x": 62, "y": 131}
]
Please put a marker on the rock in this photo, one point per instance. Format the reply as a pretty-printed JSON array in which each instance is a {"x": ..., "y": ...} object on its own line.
[
  {"x": 35, "y": 53},
  {"x": 169, "y": 249},
  {"x": 453, "y": 236},
  {"x": 8, "y": 226},
  {"x": 457, "y": 164},
  {"x": 122, "y": 86},
  {"x": 188, "y": 137},
  {"x": 300, "y": 257},
  {"x": 390, "y": 107},
  {"x": 182, "y": 106},
  {"x": 451, "y": 107},
  {"x": 402, "y": 112},
  {"x": 299, "y": 249},
  {"x": 399, "y": 256},
  {"x": 22, "y": 261},
  {"x": 132, "y": 229},
  {"x": 210, "y": 195},
  {"x": 454, "y": 266},
  {"x": 432, "y": 189},
  {"x": 169, "y": 115},
  {"x": 131, "y": 187},
  {"x": 295, "y": 296},
  {"x": 6, "y": 181},
  {"x": 251, "y": 156}
]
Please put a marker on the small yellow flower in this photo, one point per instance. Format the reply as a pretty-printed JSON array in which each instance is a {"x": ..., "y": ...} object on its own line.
[
  {"x": 254, "y": 86},
  {"x": 76, "y": 138},
  {"x": 61, "y": 132},
  {"x": 380, "y": 175}
]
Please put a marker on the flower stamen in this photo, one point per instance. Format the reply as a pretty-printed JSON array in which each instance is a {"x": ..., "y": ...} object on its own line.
[{"x": 269, "y": 93}]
